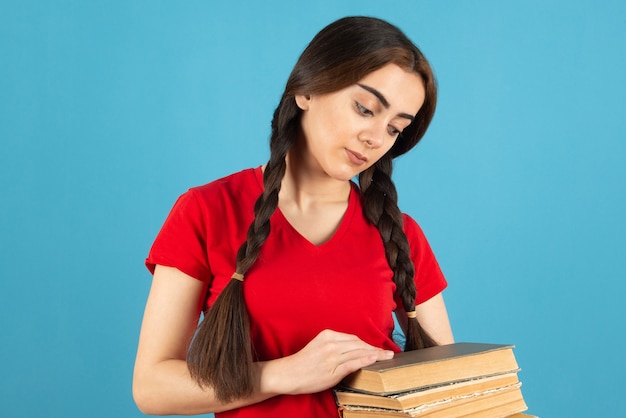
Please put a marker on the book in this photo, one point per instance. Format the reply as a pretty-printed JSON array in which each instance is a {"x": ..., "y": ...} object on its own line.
[
  {"x": 420, "y": 396},
  {"x": 501, "y": 402},
  {"x": 433, "y": 366}
]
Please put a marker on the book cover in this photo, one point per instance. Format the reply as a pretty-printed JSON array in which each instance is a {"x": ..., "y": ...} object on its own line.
[{"x": 433, "y": 365}]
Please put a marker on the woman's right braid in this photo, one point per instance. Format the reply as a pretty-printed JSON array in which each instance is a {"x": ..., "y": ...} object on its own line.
[
  {"x": 220, "y": 355},
  {"x": 284, "y": 133},
  {"x": 381, "y": 208},
  {"x": 264, "y": 207}
]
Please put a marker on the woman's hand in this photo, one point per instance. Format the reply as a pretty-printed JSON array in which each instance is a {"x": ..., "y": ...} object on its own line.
[{"x": 321, "y": 364}]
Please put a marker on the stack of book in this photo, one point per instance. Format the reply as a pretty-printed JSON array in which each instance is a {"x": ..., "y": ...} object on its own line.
[{"x": 455, "y": 380}]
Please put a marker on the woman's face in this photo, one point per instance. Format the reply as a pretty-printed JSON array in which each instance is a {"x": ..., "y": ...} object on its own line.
[{"x": 347, "y": 131}]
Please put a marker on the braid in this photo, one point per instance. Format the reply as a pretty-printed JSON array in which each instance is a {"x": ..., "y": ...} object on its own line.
[
  {"x": 380, "y": 206},
  {"x": 220, "y": 355}
]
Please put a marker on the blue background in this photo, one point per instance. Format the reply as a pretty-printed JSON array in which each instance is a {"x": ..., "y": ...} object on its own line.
[{"x": 110, "y": 109}]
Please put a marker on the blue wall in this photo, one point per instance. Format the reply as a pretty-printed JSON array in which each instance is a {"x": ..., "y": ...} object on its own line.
[{"x": 110, "y": 109}]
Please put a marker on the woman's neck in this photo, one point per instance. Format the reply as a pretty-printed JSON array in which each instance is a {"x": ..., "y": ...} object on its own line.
[
  {"x": 305, "y": 186},
  {"x": 312, "y": 202}
]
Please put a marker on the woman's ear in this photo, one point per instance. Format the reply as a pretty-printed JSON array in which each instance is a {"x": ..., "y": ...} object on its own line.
[{"x": 303, "y": 101}]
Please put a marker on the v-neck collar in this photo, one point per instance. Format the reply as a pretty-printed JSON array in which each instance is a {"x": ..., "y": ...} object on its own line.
[{"x": 298, "y": 238}]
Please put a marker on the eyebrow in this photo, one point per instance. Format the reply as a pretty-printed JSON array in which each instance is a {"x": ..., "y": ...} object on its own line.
[{"x": 383, "y": 100}]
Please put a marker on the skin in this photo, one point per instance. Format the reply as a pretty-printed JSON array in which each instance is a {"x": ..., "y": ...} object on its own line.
[{"x": 342, "y": 134}]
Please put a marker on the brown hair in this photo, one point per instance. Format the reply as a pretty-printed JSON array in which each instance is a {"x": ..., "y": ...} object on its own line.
[{"x": 220, "y": 355}]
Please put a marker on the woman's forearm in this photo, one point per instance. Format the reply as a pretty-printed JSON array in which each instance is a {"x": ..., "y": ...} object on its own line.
[{"x": 167, "y": 388}]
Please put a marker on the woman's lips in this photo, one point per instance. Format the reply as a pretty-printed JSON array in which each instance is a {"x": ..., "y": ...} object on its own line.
[{"x": 356, "y": 158}]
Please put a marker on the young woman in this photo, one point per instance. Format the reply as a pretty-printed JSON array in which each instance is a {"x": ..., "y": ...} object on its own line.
[{"x": 298, "y": 270}]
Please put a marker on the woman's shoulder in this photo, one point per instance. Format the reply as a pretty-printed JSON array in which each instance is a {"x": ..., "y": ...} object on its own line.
[
  {"x": 411, "y": 228},
  {"x": 237, "y": 190},
  {"x": 247, "y": 179}
]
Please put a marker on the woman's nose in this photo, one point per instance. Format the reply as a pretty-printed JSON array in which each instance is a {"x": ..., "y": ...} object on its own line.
[{"x": 374, "y": 137}]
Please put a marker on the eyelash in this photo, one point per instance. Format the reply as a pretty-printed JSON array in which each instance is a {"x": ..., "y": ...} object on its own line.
[
  {"x": 363, "y": 110},
  {"x": 366, "y": 112}
]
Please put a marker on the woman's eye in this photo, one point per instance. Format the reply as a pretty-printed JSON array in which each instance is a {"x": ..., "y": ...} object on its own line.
[
  {"x": 393, "y": 131},
  {"x": 363, "y": 110}
]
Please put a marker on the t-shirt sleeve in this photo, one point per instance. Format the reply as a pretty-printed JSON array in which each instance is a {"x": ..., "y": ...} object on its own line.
[
  {"x": 181, "y": 241},
  {"x": 429, "y": 279}
]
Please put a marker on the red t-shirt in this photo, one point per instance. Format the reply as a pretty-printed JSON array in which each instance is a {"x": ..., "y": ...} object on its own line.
[{"x": 295, "y": 289}]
